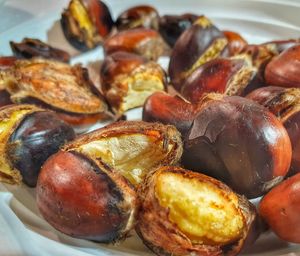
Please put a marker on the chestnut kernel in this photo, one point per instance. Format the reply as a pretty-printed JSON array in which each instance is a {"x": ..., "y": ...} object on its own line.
[
  {"x": 239, "y": 142},
  {"x": 128, "y": 79},
  {"x": 186, "y": 213},
  {"x": 138, "y": 16},
  {"x": 85, "y": 198}
]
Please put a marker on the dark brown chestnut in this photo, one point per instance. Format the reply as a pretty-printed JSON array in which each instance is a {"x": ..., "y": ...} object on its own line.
[
  {"x": 186, "y": 213},
  {"x": 85, "y": 198},
  {"x": 280, "y": 209},
  {"x": 145, "y": 42},
  {"x": 29, "y": 136},
  {"x": 236, "y": 43},
  {"x": 29, "y": 48},
  {"x": 164, "y": 108},
  {"x": 144, "y": 16},
  {"x": 85, "y": 23},
  {"x": 128, "y": 80},
  {"x": 239, "y": 142},
  {"x": 172, "y": 26},
  {"x": 285, "y": 104},
  {"x": 197, "y": 45},
  {"x": 283, "y": 69},
  {"x": 227, "y": 76}
]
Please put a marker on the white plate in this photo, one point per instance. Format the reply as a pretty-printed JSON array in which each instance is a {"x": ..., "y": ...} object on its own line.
[{"x": 23, "y": 231}]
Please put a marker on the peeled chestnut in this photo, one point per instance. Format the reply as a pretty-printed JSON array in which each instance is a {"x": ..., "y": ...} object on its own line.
[
  {"x": 239, "y": 142},
  {"x": 197, "y": 45},
  {"x": 128, "y": 80},
  {"x": 283, "y": 70},
  {"x": 172, "y": 26},
  {"x": 138, "y": 16},
  {"x": 145, "y": 42},
  {"x": 29, "y": 135},
  {"x": 85, "y": 23},
  {"x": 236, "y": 43},
  {"x": 285, "y": 104},
  {"x": 85, "y": 198},
  {"x": 228, "y": 76},
  {"x": 186, "y": 213},
  {"x": 164, "y": 108},
  {"x": 280, "y": 209},
  {"x": 57, "y": 86},
  {"x": 30, "y": 48}
]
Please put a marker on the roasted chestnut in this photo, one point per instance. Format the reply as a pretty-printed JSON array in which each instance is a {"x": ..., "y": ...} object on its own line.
[
  {"x": 236, "y": 43},
  {"x": 280, "y": 209},
  {"x": 172, "y": 26},
  {"x": 186, "y": 213},
  {"x": 239, "y": 142},
  {"x": 285, "y": 104},
  {"x": 85, "y": 23},
  {"x": 57, "y": 86},
  {"x": 282, "y": 45},
  {"x": 164, "y": 108},
  {"x": 7, "y": 62},
  {"x": 128, "y": 79},
  {"x": 197, "y": 45},
  {"x": 283, "y": 69},
  {"x": 85, "y": 198},
  {"x": 139, "y": 16},
  {"x": 30, "y": 48},
  {"x": 228, "y": 76},
  {"x": 29, "y": 135},
  {"x": 142, "y": 41}
]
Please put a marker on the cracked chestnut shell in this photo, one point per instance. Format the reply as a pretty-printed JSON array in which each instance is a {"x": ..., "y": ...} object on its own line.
[
  {"x": 138, "y": 16},
  {"x": 29, "y": 48},
  {"x": 172, "y": 26},
  {"x": 239, "y": 142},
  {"x": 85, "y": 198},
  {"x": 86, "y": 23},
  {"x": 280, "y": 209},
  {"x": 283, "y": 69},
  {"x": 197, "y": 45},
  {"x": 186, "y": 213},
  {"x": 29, "y": 135},
  {"x": 282, "y": 45},
  {"x": 128, "y": 80},
  {"x": 285, "y": 104},
  {"x": 57, "y": 86},
  {"x": 227, "y": 76},
  {"x": 142, "y": 41}
]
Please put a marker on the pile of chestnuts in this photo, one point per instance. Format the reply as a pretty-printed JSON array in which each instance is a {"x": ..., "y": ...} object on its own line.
[{"x": 220, "y": 126}]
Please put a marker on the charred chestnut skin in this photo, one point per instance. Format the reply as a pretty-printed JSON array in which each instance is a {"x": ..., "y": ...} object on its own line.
[
  {"x": 239, "y": 142},
  {"x": 85, "y": 199},
  {"x": 138, "y": 16},
  {"x": 283, "y": 69},
  {"x": 280, "y": 209},
  {"x": 172, "y": 26},
  {"x": 37, "y": 137},
  {"x": 164, "y": 237},
  {"x": 236, "y": 43}
]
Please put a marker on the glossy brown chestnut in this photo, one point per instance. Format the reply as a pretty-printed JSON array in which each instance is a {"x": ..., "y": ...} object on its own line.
[
  {"x": 138, "y": 16},
  {"x": 164, "y": 108},
  {"x": 186, "y": 213},
  {"x": 227, "y": 76},
  {"x": 145, "y": 42},
  {"x": 128, "y": 80},
  {"x": 85, "y": 198},
  {"x": 56, "y": 86},
  {"x": 236, "y": 43},
  {"x": 280, "y": 208},
  {"x": 172, "y": 26},
  {"x": 29, "y": 135},
  {"x": 197, "y": 45},
  {"x": 239, "y": 142},
  {"x": 285, "y": 104},
  {"x": 85, "y": 23},
  {"x": 283, "y": 69},
  {"x": 29, "y": 48}
]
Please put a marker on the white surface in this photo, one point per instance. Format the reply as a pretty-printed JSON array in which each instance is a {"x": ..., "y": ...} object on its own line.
[{"x": 22, "y": 230}]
